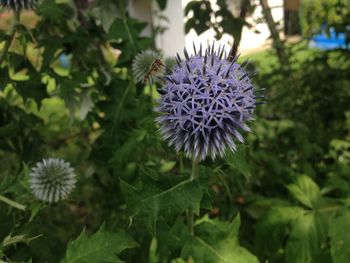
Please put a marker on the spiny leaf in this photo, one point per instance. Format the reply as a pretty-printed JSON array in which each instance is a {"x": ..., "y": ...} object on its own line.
[
  {"x": 216, "y": 241},
  {"x": 238, "y": 160},
  {"x": 150, "y": 201},
  {"x": 99, "y": 247},
  {"x": 11, "y": 240}
]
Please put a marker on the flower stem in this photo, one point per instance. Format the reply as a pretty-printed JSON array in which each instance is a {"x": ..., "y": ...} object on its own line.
[
  {"x": 12, "y": 203},
  {"x": 190, "y": 214},
  {"x": 15, "y": 22}
]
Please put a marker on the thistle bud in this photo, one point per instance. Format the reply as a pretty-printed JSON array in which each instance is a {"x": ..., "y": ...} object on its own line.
[{"x": 52, "y": 180}]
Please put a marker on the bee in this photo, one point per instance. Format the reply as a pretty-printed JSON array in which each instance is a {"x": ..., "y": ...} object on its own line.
[{"x": 156, "y": 68}]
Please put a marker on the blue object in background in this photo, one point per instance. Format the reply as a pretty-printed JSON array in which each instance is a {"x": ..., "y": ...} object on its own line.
[
  {"x": 65, "y": 60},
  {"x": 333, "y": 41}
]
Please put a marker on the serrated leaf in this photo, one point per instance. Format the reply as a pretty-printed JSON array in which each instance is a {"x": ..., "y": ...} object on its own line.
[
  {"x": 170, "y": 237},
  {"x": 149, "y": 200},
  {"x": 11, "y": 240},
  {"x": 100, "y": 247},
  {"x": 238, "y": 160},
  {"x": 306, "y": 191},
  {"x": 309, "y": 232},
  {"x": 216, "y": 241},
  {"x": 340, "y": 238}
]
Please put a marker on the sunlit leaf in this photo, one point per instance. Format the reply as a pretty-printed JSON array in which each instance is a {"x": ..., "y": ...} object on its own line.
[
  {"x": 306, "y": 191},
  {"x": 308, "y": 235},
  {"x": 86, "y": 105},
  {"x": 216, "y": 241}
]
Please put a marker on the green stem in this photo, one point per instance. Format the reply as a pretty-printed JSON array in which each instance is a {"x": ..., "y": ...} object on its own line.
[
  {"x": 181, "y": 162},
  {"x": 121, "y": 104},
  {"x": 195, "y": 169},
  {"x": 15, "y": 22},
  {"x": 125, "y": 22},
  {"x": 190, "y": 214},
  {"x": 12, "y": 203}
]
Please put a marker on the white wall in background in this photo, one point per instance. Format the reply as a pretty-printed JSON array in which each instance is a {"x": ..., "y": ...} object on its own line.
[
  {"x": 173, "y": 39},
  {"x": 250, "y": 41}
]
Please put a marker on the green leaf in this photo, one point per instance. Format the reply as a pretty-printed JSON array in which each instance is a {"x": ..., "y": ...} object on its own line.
[
  {"x": 150, "y": 201},
  {"x": 336, "y": 184},
  {"x": 99, "y": 247},
  {"x": 309, "y": 233},
  {"x": 274, "y": 226},
  {"x": 216, "y": 241},
  {"x": 32, "y": 88},
  {"x": 107, "y": 12},
  {"x": 125, "y": 35},
  {"x": 167, "y": 166},
  {"x": 306, "y": 191},
  {"x": 262, "y": 206},
  {"x": 86, "y": 104},
  {"x": 340, "y": 238},
  {"x": 4, "y": 79},
  {"x": 11, "y": 240},
  {"x": 8, "y": 130},
  {"x": 238, "y": 160}
]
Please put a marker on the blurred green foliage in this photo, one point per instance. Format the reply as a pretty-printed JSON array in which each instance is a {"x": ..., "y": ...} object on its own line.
[
  {"x": 289, "y": 182},
  {"x": 320, "y": 15}
]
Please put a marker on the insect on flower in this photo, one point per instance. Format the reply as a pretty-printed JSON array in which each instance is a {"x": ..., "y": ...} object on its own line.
[
  {"x": 207, "y": 100},
  {"x": 155, "y": 69},
  {"x": 142, "y": 66}
]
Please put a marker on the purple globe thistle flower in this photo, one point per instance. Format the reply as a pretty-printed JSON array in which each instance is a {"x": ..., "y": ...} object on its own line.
[
  {"x": 18, "y": 5},
  {"x": 205, "y": 103}
]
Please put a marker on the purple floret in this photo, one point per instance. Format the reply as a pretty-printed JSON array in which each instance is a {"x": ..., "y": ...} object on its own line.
[{"x": 205, "y": 104}]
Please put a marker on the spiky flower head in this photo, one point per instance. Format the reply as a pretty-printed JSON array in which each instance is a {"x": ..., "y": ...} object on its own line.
[
  {"x": 52, "y": 180},
  {"x": 19, "y": 5},
  {"x": 145, "y": 68},
  {"x": 205, "y": 103}
]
